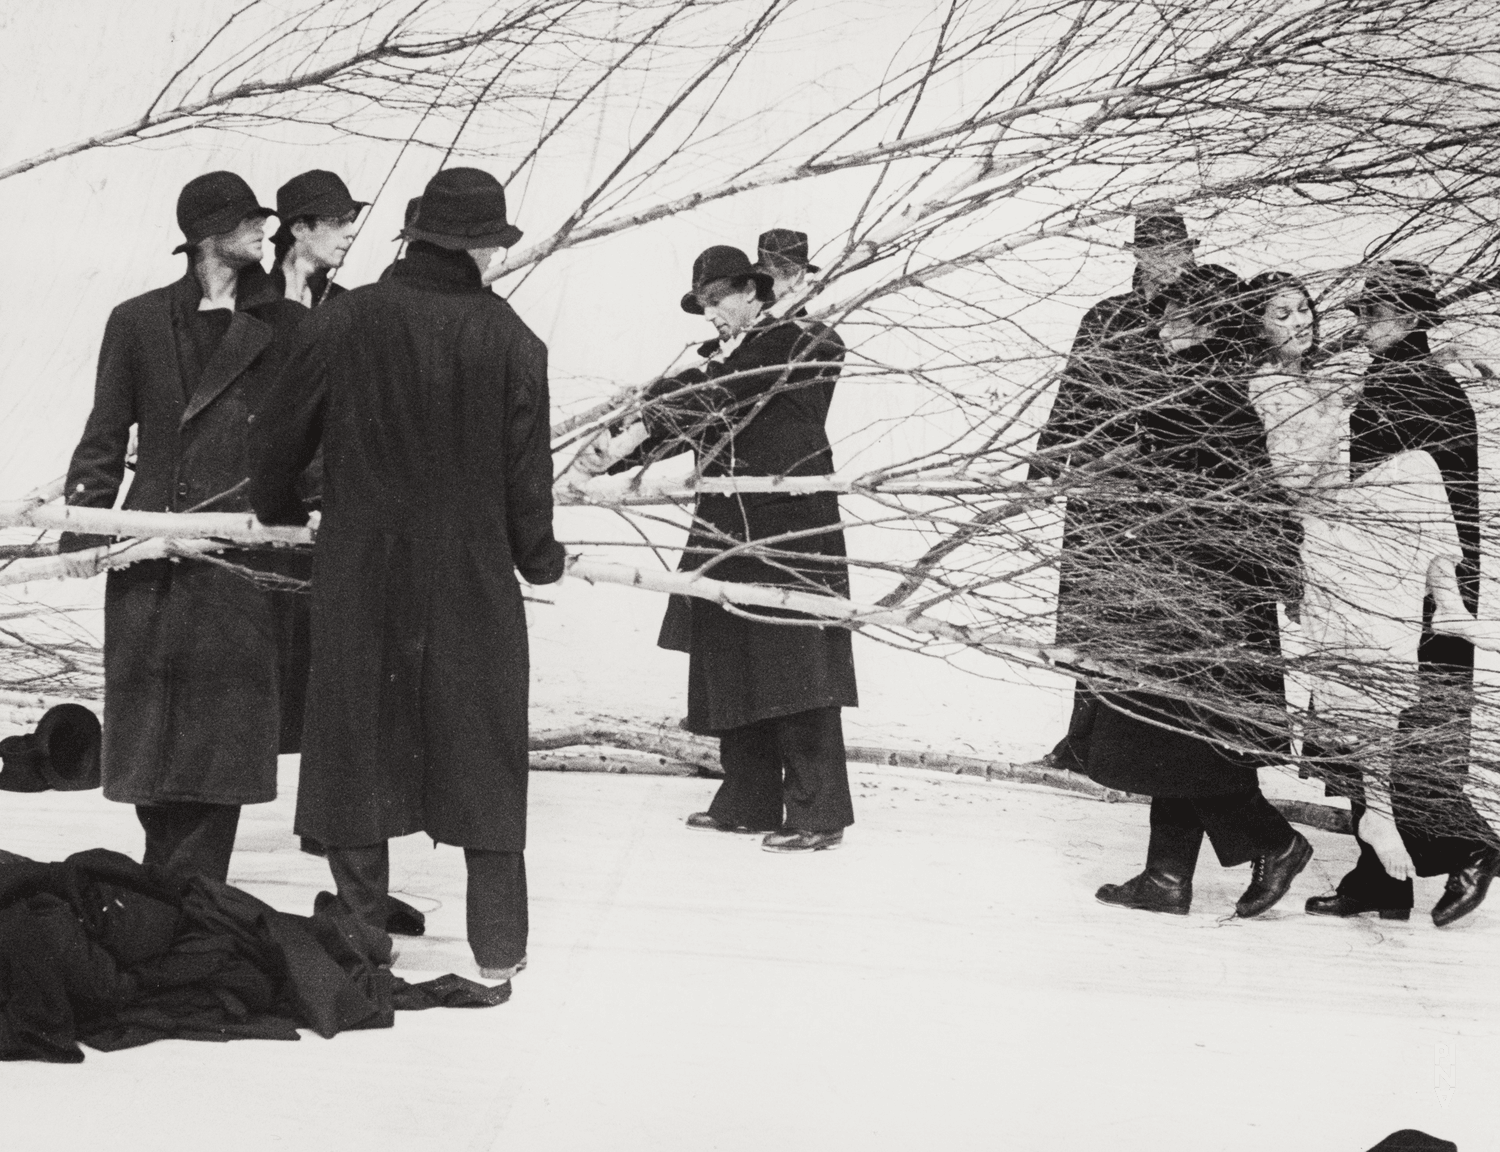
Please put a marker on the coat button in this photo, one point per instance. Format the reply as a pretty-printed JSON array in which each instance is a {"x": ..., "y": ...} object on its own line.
[{"x": 182, "y": 488}]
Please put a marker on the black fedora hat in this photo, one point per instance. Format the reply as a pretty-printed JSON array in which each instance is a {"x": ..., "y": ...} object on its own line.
[
  {"x": 1403, "y": 284},
  {"x": 1413, "y": 1140},
  {"x": 723, "y": 262},
  {"x": 315, "y": 193},
  {"x": 1158, "y": 228},
  {"x": 463, "y": 208},
  {"x": 63, "y": 753},
  {"x": 213, "y": 203},
  {"x": 783, "y": 246}
]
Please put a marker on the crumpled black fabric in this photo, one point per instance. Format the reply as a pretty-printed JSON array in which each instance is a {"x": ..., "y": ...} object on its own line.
[{"x": 100, "y": 950}]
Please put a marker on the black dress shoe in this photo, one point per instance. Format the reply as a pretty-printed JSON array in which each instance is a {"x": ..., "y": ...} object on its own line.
[
  {"x": 401, "y": 919},
  {"x": 1467, "y": 888},
  {"x": 1340, "y": 905},
  {"x": 793, "y": 840},
  {"x": 1273, "y": 875},
  {"x": 1151, "y": 891},
  {"x": 704, "y": 821}
]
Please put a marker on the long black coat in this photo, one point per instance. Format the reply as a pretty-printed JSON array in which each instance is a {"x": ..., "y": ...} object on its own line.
[
  {"x": 1185, "y": 587},
  {"x": 760, "y": 411},
  {"x": 1096, "y": 409},
  {"x": 429, "y": 397},
  {"x": 190, "y": 659}
]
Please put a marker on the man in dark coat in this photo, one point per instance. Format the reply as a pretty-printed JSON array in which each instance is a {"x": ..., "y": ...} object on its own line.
[
  {"x": 1185, "y": 588},
  {"x": 771, "y": 692},
  {"x": 1093, "y": 413},
  {"x": 190, "y": 659},
  {"x": 317, "y": 216},
  {"x": 429, "y": 398},
  {"x": 1410, "y": 402}
]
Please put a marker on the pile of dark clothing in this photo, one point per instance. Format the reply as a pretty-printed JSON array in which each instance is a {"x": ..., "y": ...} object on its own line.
[{"x": 106, "y": 952}]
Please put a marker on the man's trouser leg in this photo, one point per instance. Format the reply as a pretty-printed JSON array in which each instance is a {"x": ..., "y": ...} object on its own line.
[
  {"x": 810, "y": 747},
  {"x": 190, "y": 838},
  {"x": 1176, "y": 837},
  {"x": 750, "y": 796},
  {"x": 1368, "y": 880},
  {"x": 1242, "y": 826},
  {"x": 497, "y": 907},
  {"x": 363, "y": 879}
]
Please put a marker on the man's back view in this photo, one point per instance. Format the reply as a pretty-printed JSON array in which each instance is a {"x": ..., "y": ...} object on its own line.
[{"x": 429, "y": 396}]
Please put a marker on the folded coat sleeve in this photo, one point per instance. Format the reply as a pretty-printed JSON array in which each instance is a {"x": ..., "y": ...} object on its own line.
[
  {"x": 98, "y": 464},
  {"x": 528, "y": 463},
  {"x": 288, "y": 428}
]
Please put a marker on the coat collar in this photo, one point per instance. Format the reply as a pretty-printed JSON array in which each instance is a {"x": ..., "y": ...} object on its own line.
[
  {"x": 440, "y": 268},
  {"x": 246, "y": 339}
]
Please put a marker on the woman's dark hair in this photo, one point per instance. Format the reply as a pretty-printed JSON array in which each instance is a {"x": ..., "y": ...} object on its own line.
[
  {"x": 282, "y": 241},
  {"x": 1257, "y": 294}
]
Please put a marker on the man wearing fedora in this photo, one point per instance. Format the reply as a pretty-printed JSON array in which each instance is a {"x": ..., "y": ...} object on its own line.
[
  {"x": 1115, "y": 339},
  {"x": 190, "y": 653},
  {"x": 318, "y": 217},
  {"x": 1410, "y": 402},
  {"x": 782, "y": 254},
  {"x": 771, "y": 692},
  {"x": 429, "y": 398}
]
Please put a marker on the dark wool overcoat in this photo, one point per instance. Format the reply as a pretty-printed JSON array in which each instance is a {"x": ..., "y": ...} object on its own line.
[
  {"x": 294, "y": 608},
  {"x": 190, "y": 654},
  {"x": 760, "y": 411},
  {"x": 1095, "y": 410},
  {"x": 429, "y": 397},
  {"x": 1184, "y": 589}
]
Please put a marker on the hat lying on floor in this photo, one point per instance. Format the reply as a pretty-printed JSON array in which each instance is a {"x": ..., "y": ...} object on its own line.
[
  {"x": 63, "y": 753},
  {"x": 1410, "y": 1140}
]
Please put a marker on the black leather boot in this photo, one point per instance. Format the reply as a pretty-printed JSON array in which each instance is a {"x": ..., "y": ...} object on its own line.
[
  {"x": 1341, "y": 905},
  {"x": 1273, "y": 875},
  {"x": 1154, "y": 890},
  {"x": 1467, "y": 888}
]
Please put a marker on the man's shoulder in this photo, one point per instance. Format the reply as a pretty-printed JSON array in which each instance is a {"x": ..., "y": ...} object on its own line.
[{"x": 153, "y": 300}]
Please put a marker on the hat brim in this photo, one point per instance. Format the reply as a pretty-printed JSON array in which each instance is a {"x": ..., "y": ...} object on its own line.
[
  {"x": 222, "y": 221},
  {"x": 503, "y": 237},
  {"x": 764, "y": 291},
  {"x": 1136, "y": 245}
]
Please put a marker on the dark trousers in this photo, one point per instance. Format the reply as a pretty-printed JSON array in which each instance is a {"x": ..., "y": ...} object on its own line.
[
  {"x": 1240, "y": 826},
  {"x": 190, "y": 838},
  {"x": 496, "y": 901},
  {"x": 1438, "y": 824},
  {"x": 794, "y": 762}
]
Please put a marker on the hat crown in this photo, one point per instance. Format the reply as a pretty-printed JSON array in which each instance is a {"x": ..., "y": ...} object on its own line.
[
  {"x": 313, "y": 193},
  {"x": 461, "y": 202},
  {"x": 783, "y": 244},
  {"x": 1153, "y": 229},
  {"x": 211, "y": 196},
  {"x": 721, "y": 262}
]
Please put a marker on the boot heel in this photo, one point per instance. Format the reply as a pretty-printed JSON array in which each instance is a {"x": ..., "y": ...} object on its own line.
[{"x": 1395, "y": 913}]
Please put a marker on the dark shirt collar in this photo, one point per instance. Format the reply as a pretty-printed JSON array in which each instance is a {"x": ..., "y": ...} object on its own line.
[{"x": 445, "y": 269}]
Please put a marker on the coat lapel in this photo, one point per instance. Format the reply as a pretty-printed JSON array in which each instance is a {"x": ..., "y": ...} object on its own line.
[{"x": 246, "y": 339}]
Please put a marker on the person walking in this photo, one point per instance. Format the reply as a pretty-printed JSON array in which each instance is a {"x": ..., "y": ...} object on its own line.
[
  {"x": 429, "y": 397},
  {"x": 190, "y": 648},
  {"x": 1092, "y": 414},
  {"x": 1411, "y": 405},
  {"x": 1187, "y": 594},
  {"x": 771, "y": 692}
]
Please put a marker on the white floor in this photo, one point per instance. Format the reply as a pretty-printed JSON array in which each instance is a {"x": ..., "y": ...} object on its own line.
[{"x": 944, "y": 981}]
